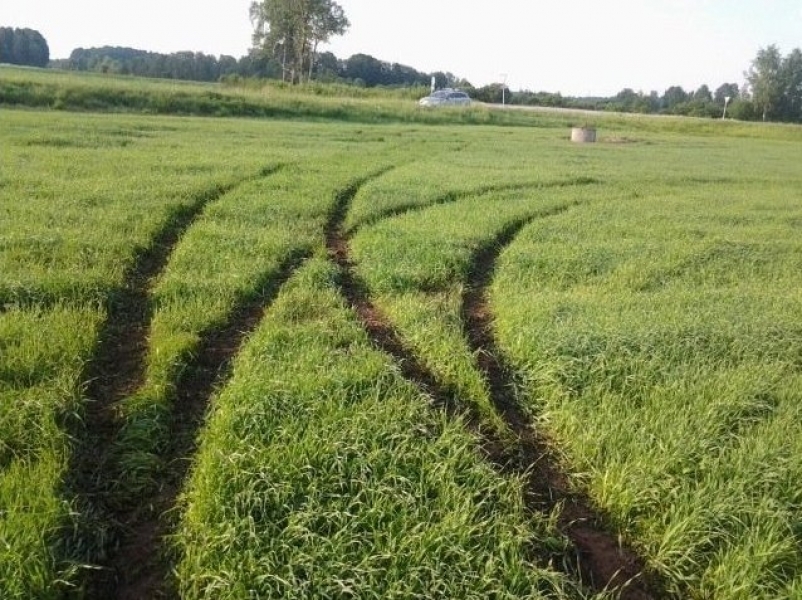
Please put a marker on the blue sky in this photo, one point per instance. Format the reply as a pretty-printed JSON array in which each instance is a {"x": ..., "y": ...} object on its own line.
[{"x": 576, "y": 47}]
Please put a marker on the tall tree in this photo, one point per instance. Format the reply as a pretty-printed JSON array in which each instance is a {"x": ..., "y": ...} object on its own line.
[
  {"x": 291, "y": 31},
  {"x": 703, "y": 94},
  {"x": 765, "y": 80},
  {"x": 791, "y": 75},
  {"x": 673, "y": 97},
  {"x": 365, "y": 69},
  {"x": 327, "y": 20},
  {"x": 724, "y": 91},
  {"x": 23, "y": 47}
]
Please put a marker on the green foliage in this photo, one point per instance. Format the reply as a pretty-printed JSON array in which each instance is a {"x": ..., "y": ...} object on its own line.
[
  {"x": 331, "y": 477},
  {"x": 291, "y": 30},
  {"x": 649, "y": 310},
  {"x": 765, "y": 80},
  {"x": 259, "y": 99},
  {"x": 776, "y": 84},
  {"x": 23, "y": 47},
  {"x": 193, "y": 66}
]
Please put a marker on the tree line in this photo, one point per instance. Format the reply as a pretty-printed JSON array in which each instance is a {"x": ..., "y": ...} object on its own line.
[
  {"x": 360, "y": 69},
  {"x": 772, "y": 92},
  {"x": 23, "y": 47},
  {"x": 674, "y": 101},
  {"x": 287, "y": 35},
  {"x": 289, "y": 31},
  {"x": 193, "y": 66}
]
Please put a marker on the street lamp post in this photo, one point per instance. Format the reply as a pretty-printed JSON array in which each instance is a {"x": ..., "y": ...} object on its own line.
[{"x": 503, "y": 89}]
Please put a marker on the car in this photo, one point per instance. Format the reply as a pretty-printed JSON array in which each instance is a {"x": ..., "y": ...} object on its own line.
[{"x": 446, "y": 97}]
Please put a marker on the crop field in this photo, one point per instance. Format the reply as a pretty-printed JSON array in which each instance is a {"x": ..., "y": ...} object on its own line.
[{"x": 251, "y": 358}]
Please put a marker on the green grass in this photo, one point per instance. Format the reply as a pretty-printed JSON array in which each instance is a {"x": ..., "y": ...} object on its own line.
[
  {"x": 322, "y": 473},
  {"x": 661, "y": 341},
  {"x": 83, "y": 196},
  {"x": 42, "y": 358},
  {"x": 654, "y": 326},
  {"x": 81, "y": 199},
  {"x": 416, "y": 266},
  {"x": 73, "y": 91},
  {"x": 234, "y": 254}
]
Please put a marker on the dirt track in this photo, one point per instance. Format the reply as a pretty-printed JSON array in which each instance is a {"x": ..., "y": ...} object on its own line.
[{"x": 601, "y": 561}]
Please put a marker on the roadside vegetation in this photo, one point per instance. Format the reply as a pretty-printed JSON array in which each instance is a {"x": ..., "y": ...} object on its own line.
[{"x": 96, "y": 92}]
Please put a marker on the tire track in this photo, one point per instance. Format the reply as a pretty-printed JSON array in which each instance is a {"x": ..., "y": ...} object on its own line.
[
  {"x": 381, "y": 332},
  {"x": 602, "y": 560},
  {"x": 105, "y": 536},
  {"x": 355, "y": 292},
  {"x": 457, "y": 195},
  {"x": 143, "y": 533}
]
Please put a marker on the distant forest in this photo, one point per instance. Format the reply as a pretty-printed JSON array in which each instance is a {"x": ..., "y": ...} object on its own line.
[
  {"x": 360, "y": 69},
  {"x": 367, "y": 71},
  {"x": 772, "y": 92}
]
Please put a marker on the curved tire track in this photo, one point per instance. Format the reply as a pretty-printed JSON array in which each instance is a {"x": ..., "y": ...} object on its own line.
[
  {"x": 457, "y": 195},
  {"x": 381, "y": 332},
  {"x": 123, "y": 542},
  {"x": 603, "y": 563}
]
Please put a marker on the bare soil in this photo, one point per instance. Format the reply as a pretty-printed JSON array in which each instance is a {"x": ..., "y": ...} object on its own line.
[
  {"x": 600, "y": 560},
  {"x": 603, "y": 561},
  {"x": 125, "y": 540}
]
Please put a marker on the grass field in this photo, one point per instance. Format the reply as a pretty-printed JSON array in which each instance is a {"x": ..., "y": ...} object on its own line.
[{"x": 179, "y": 353}]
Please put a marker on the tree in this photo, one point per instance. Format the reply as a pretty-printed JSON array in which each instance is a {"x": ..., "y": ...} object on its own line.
[
  {"x": 703, "y": 94},
  {"x": 23, "y": 47},
  {"x": 291, "y": 31},
  {"x": 327, "y": 67},
  {"x": 327, "y": 19},
  {"x": 365, "y": 68},
  {"x": 791, "y": 76},
  {"x": 724, "y": 91},
  {"x": 674, "y": 97},
  {"x": 765, "y": 81},
  {"x": 493, "y": 93}
]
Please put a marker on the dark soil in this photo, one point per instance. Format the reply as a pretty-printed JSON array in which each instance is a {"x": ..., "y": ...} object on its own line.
[
  {"x": 123, "y": 542},
  {"x": 142, "y": 545},
  {"x": 600, "y": 560}
]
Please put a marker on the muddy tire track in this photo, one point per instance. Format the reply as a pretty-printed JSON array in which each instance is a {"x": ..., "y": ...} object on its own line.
[
  {"x": 457, "y": 195},
  {"x": 602, "y": 560},
  {"x": 378, "y": 327},
  {"x": 144, "y": 531},
  {"x": 111, "y": 539},
  {"x": 355, "y": 292}
]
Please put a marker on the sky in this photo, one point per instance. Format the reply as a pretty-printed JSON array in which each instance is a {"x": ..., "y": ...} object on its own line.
[{"x": 575, "y": 47}]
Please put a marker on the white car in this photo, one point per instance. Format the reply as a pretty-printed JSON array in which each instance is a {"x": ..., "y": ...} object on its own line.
[{"x": 447, "y": 97}]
